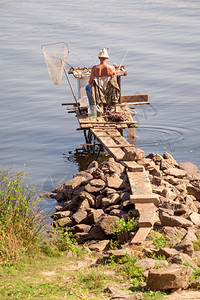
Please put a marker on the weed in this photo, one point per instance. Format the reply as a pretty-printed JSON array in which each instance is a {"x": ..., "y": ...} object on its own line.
[
  {"x": 159, "y": 257},
  {"x": 197, "y": 243},
  {"x": 131, "y": 270},
  {"x": 158, "y": 239},
  {"x": 124, "y": 226},
  {"x": 158, "y": 295},
  {"x": 91, "y": 279},
  {"x": 21, "y": 223}
]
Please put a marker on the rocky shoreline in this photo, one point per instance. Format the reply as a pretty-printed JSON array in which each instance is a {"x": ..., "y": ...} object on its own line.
[{"x": 93, "y": 201}]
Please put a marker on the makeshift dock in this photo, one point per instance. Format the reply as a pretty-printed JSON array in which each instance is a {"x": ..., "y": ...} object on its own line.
[
  {"x": 109, "y": 135},
  {"x": 108, "y": 131}
]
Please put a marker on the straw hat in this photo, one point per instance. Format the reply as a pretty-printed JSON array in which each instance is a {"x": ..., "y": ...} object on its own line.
[{"x": 103, "y": 53}]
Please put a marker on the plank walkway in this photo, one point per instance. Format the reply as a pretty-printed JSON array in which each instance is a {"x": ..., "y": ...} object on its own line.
[{"x": 108, "y": 134}]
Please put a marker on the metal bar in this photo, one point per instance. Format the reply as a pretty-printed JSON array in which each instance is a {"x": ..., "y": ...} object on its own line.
[{"x": 71, "y": 89}]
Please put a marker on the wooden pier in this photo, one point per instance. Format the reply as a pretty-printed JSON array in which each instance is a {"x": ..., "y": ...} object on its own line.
[{"x": 109, "y": 136}]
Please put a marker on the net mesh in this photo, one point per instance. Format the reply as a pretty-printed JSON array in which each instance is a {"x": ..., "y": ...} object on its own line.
[{"x": 55, "y": 57}]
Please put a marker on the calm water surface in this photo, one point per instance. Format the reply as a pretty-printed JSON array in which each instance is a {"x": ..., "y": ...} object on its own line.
[{"x": 163, "y": 61}]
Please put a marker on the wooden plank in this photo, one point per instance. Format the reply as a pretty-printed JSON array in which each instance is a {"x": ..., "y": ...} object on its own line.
[
  {"x": 139, "y": 182},
  {"x": 94, "y": 121},
  {"x": 121, "y": 146},
  {"x": 134, "y": 98},
  {"x": 108, "y": 142},
  {"x": 147, "y": 213},
  {"x": 145, "y": 198},
  {"x": 121, "y": 140},
  {"x": 132, "y": 166},
  {"x": 140, "y": 235}
]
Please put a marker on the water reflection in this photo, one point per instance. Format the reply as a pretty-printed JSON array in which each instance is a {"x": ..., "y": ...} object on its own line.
[{"x": 83, "y": 157}]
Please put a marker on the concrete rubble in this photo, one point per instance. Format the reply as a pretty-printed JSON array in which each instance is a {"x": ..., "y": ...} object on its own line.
[{"x": 94, "y": 200}]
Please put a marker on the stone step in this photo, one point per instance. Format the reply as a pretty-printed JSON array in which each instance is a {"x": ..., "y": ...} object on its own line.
[
  {"x": 147, "y": 213},
  {"x": 139, "y": 183},
  {"x": 132, "y": 166},
  {"x": 145, "y": 198},
  {"x": 140, "y": 235}
]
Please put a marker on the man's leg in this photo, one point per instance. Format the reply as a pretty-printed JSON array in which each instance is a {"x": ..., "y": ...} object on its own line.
[{"x": 88, "y": 92}]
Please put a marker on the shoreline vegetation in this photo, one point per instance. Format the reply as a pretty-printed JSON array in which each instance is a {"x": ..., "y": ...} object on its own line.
[{"x": 89, "y": 254}]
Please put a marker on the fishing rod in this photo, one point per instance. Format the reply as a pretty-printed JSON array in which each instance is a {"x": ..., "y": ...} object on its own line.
[
  {"x": 81, "y": 62},
  {"x": 126, "y": 54}
]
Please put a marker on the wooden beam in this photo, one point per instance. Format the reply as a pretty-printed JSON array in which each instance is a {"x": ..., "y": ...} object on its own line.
[{"x": 141, "y": 99}]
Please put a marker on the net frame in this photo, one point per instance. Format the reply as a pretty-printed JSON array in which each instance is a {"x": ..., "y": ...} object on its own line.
[{"x": 55, "y": 56}]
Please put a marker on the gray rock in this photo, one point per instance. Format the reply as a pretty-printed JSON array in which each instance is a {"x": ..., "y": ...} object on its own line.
[
  {"x": 168, "y": 220},
  {"x": 174, "y": 234},
  {"x": 120, "y": 253},
  {"x": 95, "y": 234},
  {"x": 114, "y": 182},
  {"x": 150, "y": 263},
  {"x": 173, "y": 277},
  {"x": 189, "y": 168},
  {"x": 64, "y": 222},
  {"x": 81, "y": 228},
  {"x": 182, "y": 258},
  {"x": 93, "y": 164},
  {"x": 175, "y": 172},
  {"x": 71, "y": 185},
  {"x": 111, "y": 200},
  {"x": 195, "y": 218},
  {"x": 169, "y": 158},
  {"x": 155, "y": 171},
  {"x": 135, "y": 154},
  {"x": 185, "y": 246},
  {"x": 91, "y": 199},
  {"x": 99, "y": 246},
  {"x": 190, "y": 236},
  {"x": 95, "y": 185},
  {"x": 107, "y": 224},
  {"x": 167, "y": 252},
  {"x": 195, "y": 191},
  {"x": 61, "y": 214},
  {"x": 84, "y": 174},
  {"x": 115, "y": 167},
  {"x": 79, "y": 216}
]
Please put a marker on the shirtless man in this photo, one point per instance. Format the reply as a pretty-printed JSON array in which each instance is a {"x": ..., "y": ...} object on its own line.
[{"x": 100, "y": 70}]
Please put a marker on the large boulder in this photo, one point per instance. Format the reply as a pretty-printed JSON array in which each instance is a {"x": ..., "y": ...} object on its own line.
[
  {"x": 173, "y": 277},
  {"x": 183, "y": 258},
  {"x": 175, "y": 172},
  {"x": 189, "y": 168},
  {"x": 107, "y": 224},
  {"x": 195, "y": 191},
  {"x": 168, "y": 220}
]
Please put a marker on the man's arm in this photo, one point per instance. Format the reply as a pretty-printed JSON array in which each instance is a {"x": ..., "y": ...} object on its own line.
[{"x": 92, "y": 76}]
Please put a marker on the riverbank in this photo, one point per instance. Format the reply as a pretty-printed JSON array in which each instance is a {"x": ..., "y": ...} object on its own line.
[
  {"x": 90, "y": 253},
  {"x": 95, "y": 206}
]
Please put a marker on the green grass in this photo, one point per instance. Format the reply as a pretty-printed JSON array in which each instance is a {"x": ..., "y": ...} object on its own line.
[{"x": 21, "y": 223}]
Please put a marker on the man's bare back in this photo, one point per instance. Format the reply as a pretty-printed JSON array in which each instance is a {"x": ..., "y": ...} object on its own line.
[{"x": 101, "y": 70}]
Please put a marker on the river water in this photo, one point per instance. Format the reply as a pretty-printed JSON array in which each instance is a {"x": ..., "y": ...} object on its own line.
[{"x": 163, "y": 60}]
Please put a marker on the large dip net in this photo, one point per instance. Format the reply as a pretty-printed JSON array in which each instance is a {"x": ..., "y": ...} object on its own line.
[{"x": 55, "y": 57}]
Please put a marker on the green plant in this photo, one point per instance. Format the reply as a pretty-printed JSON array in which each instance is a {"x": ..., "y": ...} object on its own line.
[
  {"x": 197, "y": 243},
  {"x": 158, "y": 295},
  {"x": 131, "y": 270},
  {"x": 21, "y": 222},
  {"x": 91, "y": 279},
  {"x": 124, "y": 226},
  {"x": 159, "y": 257},
  {"x": 158, "y": 239}
]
